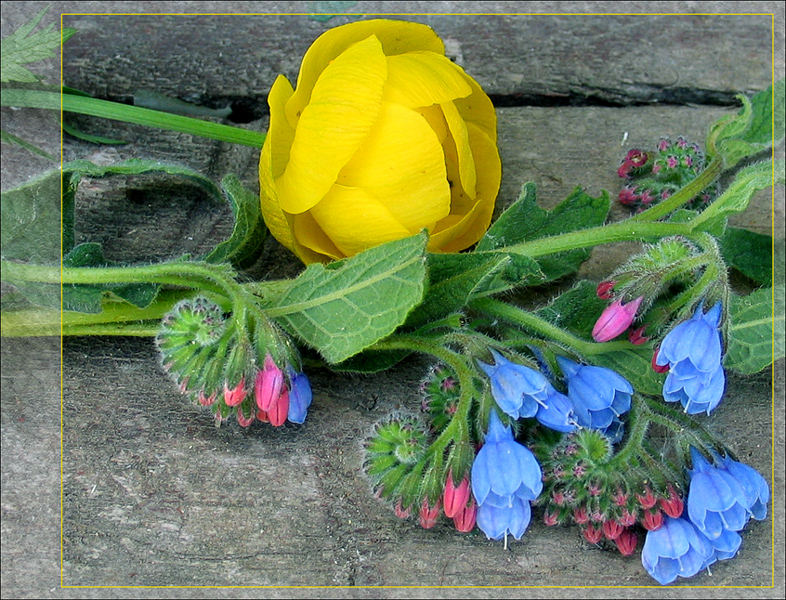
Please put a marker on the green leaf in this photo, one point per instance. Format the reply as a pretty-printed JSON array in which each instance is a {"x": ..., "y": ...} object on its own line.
[
  {"x": 455, "y": 279},
  {"x": 31, "y": 221},
  {"x": 23, "y": 47},
  {"x": 341, "y": 308},
  {"x": 525, "y": 221},
  {"x": 748, "y": 252},
  {"x": 735, "y": 198},
  {"x": 755, "y": 332},
  {"x": 244, "y": 245},
  {"x": 88, "y": 298},
  {"x": 750, "y": 131},
  {"x": 575, "y": 310},
  {"x": 138, "y": 166}
]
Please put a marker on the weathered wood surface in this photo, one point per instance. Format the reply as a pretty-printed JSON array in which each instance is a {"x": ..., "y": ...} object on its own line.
[{"x": 154, "y": 494}]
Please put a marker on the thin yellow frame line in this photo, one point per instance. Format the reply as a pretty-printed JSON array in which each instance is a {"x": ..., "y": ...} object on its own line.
[
  {"x": 772, "y": 254},
  {"x": 772, "y": 383}
]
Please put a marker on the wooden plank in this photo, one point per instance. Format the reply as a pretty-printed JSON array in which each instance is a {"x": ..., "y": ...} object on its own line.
[{"x": 155, "y": 495}]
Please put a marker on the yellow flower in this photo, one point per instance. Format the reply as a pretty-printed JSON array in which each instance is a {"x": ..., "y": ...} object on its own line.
[{"x": 383, "y": 137}]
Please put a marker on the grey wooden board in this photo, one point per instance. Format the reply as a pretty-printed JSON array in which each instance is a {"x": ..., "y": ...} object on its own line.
[{"x": 153, "y": 494}]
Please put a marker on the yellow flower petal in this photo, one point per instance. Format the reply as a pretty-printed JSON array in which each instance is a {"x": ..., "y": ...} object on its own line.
[
  {"x": 459, "y": 231},
  {"x": 273, "y": 159},
  {"x": 396, "y": 37},
  {"x": 466, "y": 164},
  {"x": 343, "y": 108},
  {"x": 478, "y": 109},
  {"x": 315, "y": 245},
  {"x": 355, "y": 220},
  {"x": 436, "y": 120},
  {"x": 402, "y": 165},
  {"x": 424, "y": 78}
]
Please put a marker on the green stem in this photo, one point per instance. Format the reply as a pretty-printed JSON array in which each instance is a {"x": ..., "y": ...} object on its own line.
[
  {"x": 686, "y": 194},
  {"x": 623, "y": 231},
  {"x": 459, "y": 367},
  {"x": 113, "y": 316},
  {"x": 130, "y": 114},
  {"x": 188, "y": 274},
  {"x": 531, "y": 322},
  {"x": 145, "y": 329}
]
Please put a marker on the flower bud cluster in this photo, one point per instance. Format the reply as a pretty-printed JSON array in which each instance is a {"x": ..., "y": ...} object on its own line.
[
  {"x": 440, "y": 397},
  {"x": 654, "y": 176},
  {"x": 583, "y": 486},
  {"x": 722, "y": 497},
  {"x": 642, "y": 284},
  {"x": 395, "y": 464},
  {"x": 219, "y": 366}
]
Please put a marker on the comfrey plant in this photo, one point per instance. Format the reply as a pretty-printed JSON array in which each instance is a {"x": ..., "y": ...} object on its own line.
[{"x": 380, "y": 171}]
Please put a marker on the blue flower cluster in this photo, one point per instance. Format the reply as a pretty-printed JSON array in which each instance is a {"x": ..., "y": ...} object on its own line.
[
  {"x": 596, "y": 399},
  {"x": 721, "y": 500},
  {"x": 505, "y": 478},
  {"x": 599, "y": 397},
  {"x": 693, "y": 352},
  {"x": 522, "y": 392}
]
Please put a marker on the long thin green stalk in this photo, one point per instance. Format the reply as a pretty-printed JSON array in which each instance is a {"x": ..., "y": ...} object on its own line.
[{"x": 130, "y": 114}]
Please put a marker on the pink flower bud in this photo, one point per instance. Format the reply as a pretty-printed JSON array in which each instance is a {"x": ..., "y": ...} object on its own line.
[
  {"x": 653, "y": 520},
  {"x": 625, "y": 168},
  {"x": 550, "y": 519},
  {"x": 628, "y": 195},
  {"x": 454, "y": 499},
  {"x": 464, "y": 521},
  {"x": 604, "y": 289},
  {"x": 612, "y": 529},
  {"x": 655, "y": 366},
  {"x": 620, "y": 498},
  {"x": 429, "y": 514},
  {"x": 242, "y": 420},
  {"x": 400, "y": 512},
  {"x": 627, "y": 518},
  {"x": 615, "y": 319},
  {"x": 672, "y": 505},
  {"x": 636, "y": 157},
  {"x": 268, "y": 384},
  {"x": 592, "y": 534},
  {"x": 580, "y": 515},
  {"x": 627, "y": 542},
  {"x": 262, "y": 416},
  {"x": 206, "y": 400},
  {"x": 279, "y": 409},
  {"x": 235, "y": 396},
  {"x": 637, "y": 337},
  {"x": 648, "y": 499}
]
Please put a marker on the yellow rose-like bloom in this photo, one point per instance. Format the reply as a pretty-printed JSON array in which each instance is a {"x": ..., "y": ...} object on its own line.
[{"x": 383, "y": 137}]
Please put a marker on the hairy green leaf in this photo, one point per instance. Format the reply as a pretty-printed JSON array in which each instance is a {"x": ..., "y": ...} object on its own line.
[
  {"x": 525, "y": 221},
  {"x": 244, "y": 245},
  {"x": 575, "y": 310},
  {"x": 750, "y": 131},
  {"x": 344, "y": 307},
  {"x": 138, "y": 166},
  {"x": 748, "y": 252},
  {"x": 31, "y": 220},
  {"x": 755, "y": 332},
  {"x": 735, "y": 198},
  {"x": 455, "y": 279}
]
